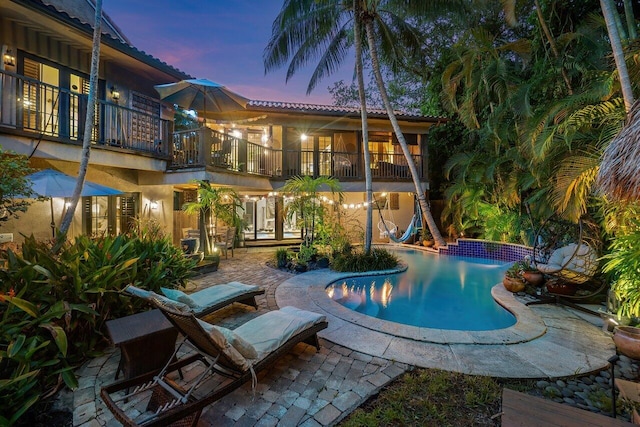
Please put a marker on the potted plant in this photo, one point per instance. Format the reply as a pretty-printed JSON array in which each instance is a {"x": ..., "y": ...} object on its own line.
[
  {"x": 627, "y": 340},
  {"x": 513, "y": 280},
  {"x": 427, "y": 238},
  {"x": 531, "y": 274}
]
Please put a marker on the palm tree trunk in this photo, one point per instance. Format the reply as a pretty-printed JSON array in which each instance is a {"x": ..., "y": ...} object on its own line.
[
  {"x": 618, "y": 54},
  {"x": 420, "y": 193},
  {"x": 552, "y": 44},
  {"x": 88, "y": 123},
  {"x": 631, "y": 20},
  {"x": 365, "y": 127}
]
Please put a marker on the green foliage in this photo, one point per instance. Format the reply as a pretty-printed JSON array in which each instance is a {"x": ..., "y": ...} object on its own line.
[
  {"x": 216, "y": 204},
  {"x": 358, "y": 261},
  {"x": 14, "y": 186},
  {"x": 312, "y": 212},
  {"x": 306, "y": 254},
  {"x": 502, "y": 225},
  {"x": 282, "y": 257},
  {"x": 183, "y": 120},
  {"x": 518, "y": 267},
  {"x": 623, "y": 264},
  {"x": 55, "y": 299}
]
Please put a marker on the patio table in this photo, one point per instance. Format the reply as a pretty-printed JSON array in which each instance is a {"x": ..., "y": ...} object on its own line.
[{"x": 146, "y": 340}]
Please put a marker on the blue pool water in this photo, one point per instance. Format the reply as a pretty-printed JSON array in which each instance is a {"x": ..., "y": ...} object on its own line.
[{"x": 436, "y": 291}]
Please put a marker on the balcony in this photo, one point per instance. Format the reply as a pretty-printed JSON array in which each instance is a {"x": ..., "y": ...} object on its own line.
[
  {"x": 38, "y": 110},
  {"x": 208, "y": 148}
]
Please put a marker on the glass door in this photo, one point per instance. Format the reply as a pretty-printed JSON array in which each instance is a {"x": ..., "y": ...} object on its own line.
[{"x": 41, "y": 98}]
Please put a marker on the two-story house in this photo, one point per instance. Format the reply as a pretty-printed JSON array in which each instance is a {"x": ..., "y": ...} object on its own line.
[{"x": 46, "y": 52}]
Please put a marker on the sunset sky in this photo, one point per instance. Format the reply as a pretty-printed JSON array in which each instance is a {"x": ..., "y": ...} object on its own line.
[{"x": 221, "y": 41}]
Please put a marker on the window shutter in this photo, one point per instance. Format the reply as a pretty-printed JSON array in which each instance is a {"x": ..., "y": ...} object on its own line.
[{"x": 394, "y": 201}]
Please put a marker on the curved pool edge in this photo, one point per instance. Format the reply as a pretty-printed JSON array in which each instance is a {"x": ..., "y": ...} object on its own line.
[
  {"x": 525, "y": 350},
  {"x": 528, "y": 325}
]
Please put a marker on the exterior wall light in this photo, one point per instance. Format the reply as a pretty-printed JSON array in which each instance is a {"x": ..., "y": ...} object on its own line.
[
  {"x": 153, "y": 204},
  {"x": 8, "y": 58},
  {"x": 115, "y": 95}
]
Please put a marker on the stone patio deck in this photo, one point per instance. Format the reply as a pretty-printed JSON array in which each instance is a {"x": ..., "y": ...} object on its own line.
[{"x": 359, "y": 356}]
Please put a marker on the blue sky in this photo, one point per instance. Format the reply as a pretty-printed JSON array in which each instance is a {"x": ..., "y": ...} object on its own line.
[{"x": 220, "y": 40}]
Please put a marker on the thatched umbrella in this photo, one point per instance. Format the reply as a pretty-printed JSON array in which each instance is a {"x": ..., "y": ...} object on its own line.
[{"x": 619, "y": 175}]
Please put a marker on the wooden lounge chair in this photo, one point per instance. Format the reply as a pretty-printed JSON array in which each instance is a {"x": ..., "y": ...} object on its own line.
[
  {"x": 205, "y": 301},
  {"x": 170, "y": 402}
]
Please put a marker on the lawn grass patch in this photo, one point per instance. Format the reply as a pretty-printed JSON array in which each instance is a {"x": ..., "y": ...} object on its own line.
[{"x": 432, "y": 397}]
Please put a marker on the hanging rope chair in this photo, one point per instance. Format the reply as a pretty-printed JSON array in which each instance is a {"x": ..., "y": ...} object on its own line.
[
  {"x": 567, "y": 251},
  {"x": 567, "y": 254},
  {"x": 386, "y": 226}
]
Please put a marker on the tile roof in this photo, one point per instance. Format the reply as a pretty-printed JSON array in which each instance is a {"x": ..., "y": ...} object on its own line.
[
  {"x": 330, "y": 110},
  {"x": 113, "y": 35}
]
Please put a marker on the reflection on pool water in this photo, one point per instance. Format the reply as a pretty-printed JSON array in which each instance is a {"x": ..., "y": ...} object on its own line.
[{"x": 436, "y": 291}]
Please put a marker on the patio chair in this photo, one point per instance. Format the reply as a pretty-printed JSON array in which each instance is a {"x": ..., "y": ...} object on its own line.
[
  {"x": 230, "y": 359},
  {"x": 226, "y": 240},
  {"x": 567, "y": 255},
  {"x": 205, "y": 301}
]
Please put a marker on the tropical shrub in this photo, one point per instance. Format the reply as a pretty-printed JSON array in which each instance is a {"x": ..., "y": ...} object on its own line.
[
  {"x": 282, "y": 256},
  {"x": 623, "y": 264},
  {"x": 55, "y": 298},
  {"x": 359, "y": 261},
  {"x": 312, "y": 212},
  {"x": 306, "y": 254}
]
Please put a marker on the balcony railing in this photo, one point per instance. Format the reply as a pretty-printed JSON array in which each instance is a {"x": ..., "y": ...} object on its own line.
[
  {"x": 45, "y": 110},
  {"x": 205, "y": 147}
]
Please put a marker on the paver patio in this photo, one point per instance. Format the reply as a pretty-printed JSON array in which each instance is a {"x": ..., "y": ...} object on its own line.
[{"x": 310, "y": 388}]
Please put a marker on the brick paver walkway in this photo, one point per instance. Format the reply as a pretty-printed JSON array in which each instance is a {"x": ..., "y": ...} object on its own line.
[{"x": 305, "y": 387}]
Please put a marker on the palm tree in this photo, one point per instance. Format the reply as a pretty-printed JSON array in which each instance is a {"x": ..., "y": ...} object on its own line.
[
  {"x": 357, "y": 35},
  {"x": 89, "y": 120},
  {"x": 309, "y": 28},
  {"x": 379, "y": 32},
  {"x": 609, "y": 13},
  {"x": 214, "y": 203},
  {"x": 305, "y": 29},
  {"x": 307, "y": 204},
  {"x": 630, "y": 18}
]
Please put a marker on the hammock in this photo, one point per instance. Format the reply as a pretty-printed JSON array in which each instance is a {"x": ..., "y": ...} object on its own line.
[
  {"x": 388, "y": 228},
  {"x": 411, "y": 230}
]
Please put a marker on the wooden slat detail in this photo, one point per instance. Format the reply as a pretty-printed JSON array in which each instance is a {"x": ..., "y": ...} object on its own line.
[{"x": 523, "y": 410}]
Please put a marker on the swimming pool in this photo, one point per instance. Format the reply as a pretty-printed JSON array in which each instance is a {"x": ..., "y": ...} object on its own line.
[{"x": 436, "y": 291}]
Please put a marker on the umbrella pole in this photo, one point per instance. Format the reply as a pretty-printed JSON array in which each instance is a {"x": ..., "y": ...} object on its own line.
[
  {"x": 204, "y": 93},
  {"x": 53, "y": 222}
]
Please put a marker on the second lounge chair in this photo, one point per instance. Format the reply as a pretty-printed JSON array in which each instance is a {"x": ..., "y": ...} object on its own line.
[{"x": 205, "y": 301}]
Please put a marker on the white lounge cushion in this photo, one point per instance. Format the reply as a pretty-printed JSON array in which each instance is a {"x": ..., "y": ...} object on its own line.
[
  {"x": 269, "y": 331},
  {"x": 224, "y": 345},
  {"x": 563, "y": 262},
  {"x": 243, "y": 347}
]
